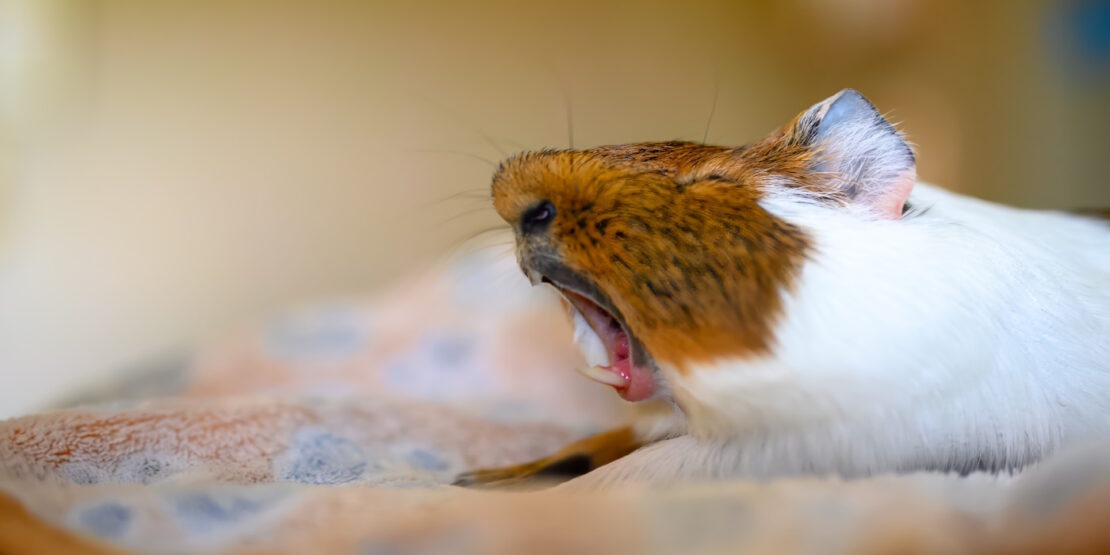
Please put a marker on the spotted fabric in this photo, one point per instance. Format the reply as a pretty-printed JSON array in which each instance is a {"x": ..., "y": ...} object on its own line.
[{"x": 336, "y": 427}]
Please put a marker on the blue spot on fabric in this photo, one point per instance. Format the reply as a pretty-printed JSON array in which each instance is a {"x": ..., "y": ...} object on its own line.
[
  {"x": 427, "y": 460},
  {"x": 320, "y": 457},
  {"x": 324, "y": 334},
  {"x": 143, "y": 470},
  {"x": 140, "y": 469},
  {"x": 450, "y": 349},
  {"x": 107, "y": 520},
  {"x": 83, "y": 473},
  {"x": 204, "y": 511},
  {"x": 213, "y": 517},
  {"x": 423, "y": 463},
  {"x": 442, "y": 366}
]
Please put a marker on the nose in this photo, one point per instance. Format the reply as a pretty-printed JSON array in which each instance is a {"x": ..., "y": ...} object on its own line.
[
  {"x": 533, "y": 276},
  {"x": 531, "y": 257},
  {"x": 528, "y": 269}
]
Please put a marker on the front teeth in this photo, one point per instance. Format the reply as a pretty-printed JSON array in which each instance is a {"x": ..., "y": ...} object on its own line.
[
  {"x": 604, "y": 376},
  {"x": 591, "y": 345}
]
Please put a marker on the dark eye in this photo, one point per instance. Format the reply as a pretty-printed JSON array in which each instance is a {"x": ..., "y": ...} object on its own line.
[{"x": 537, "y": 217}]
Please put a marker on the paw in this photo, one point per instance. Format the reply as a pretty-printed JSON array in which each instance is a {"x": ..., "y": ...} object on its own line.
[
  {"x": 542, "y": 472},
  {"x": 574, "y": 460}
]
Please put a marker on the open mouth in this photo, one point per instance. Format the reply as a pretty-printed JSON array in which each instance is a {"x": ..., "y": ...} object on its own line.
[{"x": 605, "y": 342}]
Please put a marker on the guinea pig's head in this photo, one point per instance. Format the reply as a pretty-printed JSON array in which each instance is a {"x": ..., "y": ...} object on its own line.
[{"x": 666, "y": 250}]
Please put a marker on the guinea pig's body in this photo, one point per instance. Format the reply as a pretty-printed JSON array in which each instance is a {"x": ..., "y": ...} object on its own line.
[
  {"x": 969, "y": 337},
  {"x": 804, "y": 305}
]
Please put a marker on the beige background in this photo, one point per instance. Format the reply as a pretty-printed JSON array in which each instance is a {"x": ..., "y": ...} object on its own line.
[{"x": 170, "y": 168}]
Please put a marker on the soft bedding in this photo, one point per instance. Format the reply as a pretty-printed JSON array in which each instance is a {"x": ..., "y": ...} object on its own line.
[{"x": 337, "y": 428}]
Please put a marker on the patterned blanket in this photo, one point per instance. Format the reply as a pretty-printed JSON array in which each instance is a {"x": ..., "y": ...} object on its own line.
[{"x": 336, "y": 428}]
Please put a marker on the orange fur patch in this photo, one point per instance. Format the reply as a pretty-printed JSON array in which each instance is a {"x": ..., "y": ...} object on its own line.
[{"x": 672, "y": 233}]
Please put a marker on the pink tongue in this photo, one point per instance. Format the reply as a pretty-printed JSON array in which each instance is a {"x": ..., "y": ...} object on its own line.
[{"x": 640, "y": 384}]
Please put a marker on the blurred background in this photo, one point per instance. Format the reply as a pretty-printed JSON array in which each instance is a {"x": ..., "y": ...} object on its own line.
[{"x": 172, "y": 168}]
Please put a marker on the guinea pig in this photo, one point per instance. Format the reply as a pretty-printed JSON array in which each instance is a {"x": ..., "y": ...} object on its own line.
[{"x": 804, "y": 305}]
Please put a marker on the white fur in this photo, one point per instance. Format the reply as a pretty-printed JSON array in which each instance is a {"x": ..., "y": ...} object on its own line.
[{"x": 972, "y": 336}]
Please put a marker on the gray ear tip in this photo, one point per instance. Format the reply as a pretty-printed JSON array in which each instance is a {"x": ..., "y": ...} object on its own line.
[
  {"x": 851, "y": 100},
  {"x": 847, "y": 106}
]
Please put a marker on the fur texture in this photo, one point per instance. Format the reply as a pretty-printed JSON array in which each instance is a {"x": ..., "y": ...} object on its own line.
[
  {"x": 803, "y": 317},
  {"x": 970, "y": 338}
]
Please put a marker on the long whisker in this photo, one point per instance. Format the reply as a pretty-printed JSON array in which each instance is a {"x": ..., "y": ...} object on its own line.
[
  {"x": 570, "y": 118},
  {"x": 477, "y": 195},
  {"x": 516, "y": 144},
  {"x": 501, "y": 246},
  {"x": 713, "y": 109},
  {"x": 486, "y": 231},
  {"x": 489, "y": 140},
  {"x": 470, "y": 155},
  {"x": 465, "y": 213},
  {"x": 454, "y": 246},
  {"x": 503, "y": 279},
  {"x": 568, "y": 107},
  {"x": 473, "y": 128}
]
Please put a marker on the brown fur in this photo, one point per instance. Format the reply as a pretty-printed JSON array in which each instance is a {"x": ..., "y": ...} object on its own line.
[
  {"x": 671, "y": 233},
  {"x": 585, "y": 455}
]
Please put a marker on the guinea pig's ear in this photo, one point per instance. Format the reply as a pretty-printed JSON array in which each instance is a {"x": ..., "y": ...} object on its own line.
[{"x": 856, "y": 153}]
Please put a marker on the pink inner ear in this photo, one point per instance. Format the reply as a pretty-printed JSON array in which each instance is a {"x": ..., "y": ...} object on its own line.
[{"x": 893, "y": 198}]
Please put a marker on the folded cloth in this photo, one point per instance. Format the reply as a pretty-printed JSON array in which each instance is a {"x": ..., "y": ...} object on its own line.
[{"x": 336, "y": 428}]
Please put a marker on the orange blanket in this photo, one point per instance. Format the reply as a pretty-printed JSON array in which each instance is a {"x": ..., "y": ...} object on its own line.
[{"x": 334, "y": 429}]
